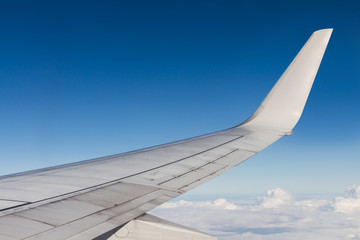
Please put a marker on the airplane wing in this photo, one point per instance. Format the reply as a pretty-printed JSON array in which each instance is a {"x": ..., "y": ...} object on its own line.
[{"x": 92, "y": 199}]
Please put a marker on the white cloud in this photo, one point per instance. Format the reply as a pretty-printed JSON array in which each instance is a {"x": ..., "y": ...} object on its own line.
[
  {"x": 275, "y": 197},
  {"x": 220, "y": 203},
  {"x": 275, "y": 216},
  {"x": 350, "y": 203}
]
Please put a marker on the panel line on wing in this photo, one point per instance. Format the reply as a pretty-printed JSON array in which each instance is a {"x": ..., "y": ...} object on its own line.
[{"x": 74, "y": 193}]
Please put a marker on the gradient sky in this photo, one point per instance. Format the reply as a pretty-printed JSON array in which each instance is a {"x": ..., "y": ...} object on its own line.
[{"x": 85, "y": 79}]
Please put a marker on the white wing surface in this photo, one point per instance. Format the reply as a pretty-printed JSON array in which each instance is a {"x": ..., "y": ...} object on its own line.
[{"x": 88, "y": 199}]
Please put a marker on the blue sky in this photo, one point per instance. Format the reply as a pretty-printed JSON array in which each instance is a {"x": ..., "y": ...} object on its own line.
[{"x": 85, "y": 79}]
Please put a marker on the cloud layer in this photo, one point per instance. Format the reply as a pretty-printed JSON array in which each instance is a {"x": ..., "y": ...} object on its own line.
[{"x": 277, "y": 215}]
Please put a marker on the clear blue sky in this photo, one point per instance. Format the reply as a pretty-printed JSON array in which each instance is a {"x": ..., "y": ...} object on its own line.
[{"x": 85, "y": 79}]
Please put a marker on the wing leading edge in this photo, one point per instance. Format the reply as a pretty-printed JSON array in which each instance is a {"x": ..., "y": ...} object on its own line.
[{"x": 87, "y": 199}]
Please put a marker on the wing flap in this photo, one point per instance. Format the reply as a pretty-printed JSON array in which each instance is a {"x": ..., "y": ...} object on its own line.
[{"x": 83, "y": 213}]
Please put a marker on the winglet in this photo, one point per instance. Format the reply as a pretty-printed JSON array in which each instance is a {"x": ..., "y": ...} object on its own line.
[{"x": 283, "y": 106}]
